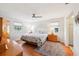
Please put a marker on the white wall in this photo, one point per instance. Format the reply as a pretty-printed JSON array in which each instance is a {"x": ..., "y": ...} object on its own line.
[
  {"x": 14, "y": 34},
  {"x": 41, "y": 28},
  {"x": 44, "y": 27},
  {"x": 76, "y": 39}
]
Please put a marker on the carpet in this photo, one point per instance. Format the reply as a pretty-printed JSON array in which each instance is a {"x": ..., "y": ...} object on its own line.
[{"x": 52, "y": 49}]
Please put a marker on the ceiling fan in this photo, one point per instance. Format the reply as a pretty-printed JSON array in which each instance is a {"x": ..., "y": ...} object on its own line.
[
  {"x": 35, "y": 16},
  {"x": 67, "y": 3}
]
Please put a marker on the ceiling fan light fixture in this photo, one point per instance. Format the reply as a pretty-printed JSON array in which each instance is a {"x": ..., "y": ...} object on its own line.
[
  {"x": 34, "y": 16},
  {"x": 66, "y": 3}
]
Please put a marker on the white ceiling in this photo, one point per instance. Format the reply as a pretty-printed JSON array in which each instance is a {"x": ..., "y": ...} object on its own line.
[{"x": 23, "y": 11}]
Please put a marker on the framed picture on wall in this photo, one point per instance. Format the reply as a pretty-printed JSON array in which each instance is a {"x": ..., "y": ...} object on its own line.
[
  {"x": 56, "y": 30},
  {"x": 17, "y": 26}
]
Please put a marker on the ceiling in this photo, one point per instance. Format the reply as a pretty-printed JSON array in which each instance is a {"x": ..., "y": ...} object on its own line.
[{"x": 23, "y": 11}]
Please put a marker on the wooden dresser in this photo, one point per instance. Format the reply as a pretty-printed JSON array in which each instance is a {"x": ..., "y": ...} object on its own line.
[{"x": 52, "y": 37}]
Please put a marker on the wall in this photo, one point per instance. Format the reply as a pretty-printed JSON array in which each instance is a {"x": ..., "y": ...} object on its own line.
[
  {"x": 41, "y": 28},
  {"x": 14, "y": 34},
  {"x": 44, "y": 27},
  {"x": 76, "y": 39}
]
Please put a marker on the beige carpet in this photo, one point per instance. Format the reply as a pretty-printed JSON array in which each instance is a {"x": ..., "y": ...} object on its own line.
[{"x": 52, "y": 49}]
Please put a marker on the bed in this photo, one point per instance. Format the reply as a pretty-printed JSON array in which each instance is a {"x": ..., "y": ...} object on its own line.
[{"x": 38, "y": 39}]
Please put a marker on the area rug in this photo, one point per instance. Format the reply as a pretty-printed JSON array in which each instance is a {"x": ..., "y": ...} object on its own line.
[{"x": 52, "y": 49}]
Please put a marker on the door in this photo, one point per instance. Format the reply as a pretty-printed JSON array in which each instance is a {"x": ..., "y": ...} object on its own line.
[{"x": 0, "y": 28}]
